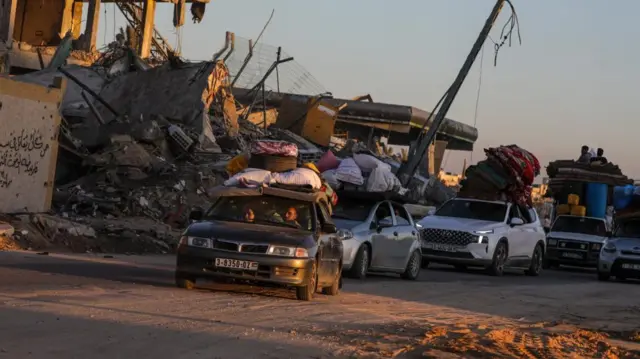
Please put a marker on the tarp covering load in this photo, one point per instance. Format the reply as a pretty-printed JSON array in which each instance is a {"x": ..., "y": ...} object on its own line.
[
  {"x": 506, "y": 174},
  {"x": 563, "y": 171}
]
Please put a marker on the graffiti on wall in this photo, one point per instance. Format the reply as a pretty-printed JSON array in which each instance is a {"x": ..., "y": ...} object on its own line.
[{"x": 21, "y": 152}]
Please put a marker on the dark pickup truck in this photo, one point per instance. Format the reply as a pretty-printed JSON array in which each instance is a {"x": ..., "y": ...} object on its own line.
[{"x": 263, "y": 235}]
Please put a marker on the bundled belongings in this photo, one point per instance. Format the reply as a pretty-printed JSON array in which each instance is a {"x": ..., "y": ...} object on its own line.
[
  {"x": 506, "y": 174},
  {"x": 274, "y": 156}
]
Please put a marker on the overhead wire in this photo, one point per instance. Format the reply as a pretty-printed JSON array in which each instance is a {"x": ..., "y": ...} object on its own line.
[{"x": 475, "y": 114}]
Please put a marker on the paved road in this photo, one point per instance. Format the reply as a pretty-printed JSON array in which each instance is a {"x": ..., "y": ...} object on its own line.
[{"x": 73, "y": 306}]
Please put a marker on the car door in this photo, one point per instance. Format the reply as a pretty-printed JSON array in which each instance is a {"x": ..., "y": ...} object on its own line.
[
  {"x": 382, "y": 236},
  {"x": 334, "y": 243},
  {"x": 405, "y": 238},
  {"x": 325, "y": 247},
  {"x": 517, "y": 235},
  {"x": 533, "y": 230}
]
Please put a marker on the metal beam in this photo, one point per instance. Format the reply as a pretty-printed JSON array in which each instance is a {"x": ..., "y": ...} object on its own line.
[
  {"x": 148, "y": 17},
  {"x": 93, "y": 19}
]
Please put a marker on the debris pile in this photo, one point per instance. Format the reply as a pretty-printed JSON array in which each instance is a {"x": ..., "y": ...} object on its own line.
[{"x": 506, "y": 174}]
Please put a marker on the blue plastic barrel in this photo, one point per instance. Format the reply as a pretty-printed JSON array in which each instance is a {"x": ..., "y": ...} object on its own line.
[
  {"x": 597, "y": 199},
  {"x": 622, "y": 196}
]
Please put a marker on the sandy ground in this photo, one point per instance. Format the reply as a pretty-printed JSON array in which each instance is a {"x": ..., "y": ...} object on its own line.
[{"x": 80, "y": 306}]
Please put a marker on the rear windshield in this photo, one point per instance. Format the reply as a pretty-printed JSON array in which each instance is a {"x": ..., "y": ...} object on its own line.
[
  {"x": 580, "y": 225},
  {"x": 352, "y": 209},
  {"x": 483, "y": 211},
  {"x": 629, "y": 229},
  {"x": 268, "y": 210}
]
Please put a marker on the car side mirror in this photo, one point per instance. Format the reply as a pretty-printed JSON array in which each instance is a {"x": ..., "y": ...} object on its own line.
[
  {"x": 329, "y": 228},
  {"x": 196, "y": 214},
  {"x": 431, "y": 212},
  {"x": 385, "y": 223},
  {"x": 516, "y": 222}
]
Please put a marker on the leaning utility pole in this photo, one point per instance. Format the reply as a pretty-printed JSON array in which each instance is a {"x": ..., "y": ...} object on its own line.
[{"x": 419, "y": 150}]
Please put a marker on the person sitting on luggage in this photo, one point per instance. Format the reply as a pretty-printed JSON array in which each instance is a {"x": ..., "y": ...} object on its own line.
[
  {"x": 585, "y": 156},
  {"x": 291, "y": 217},
  {"x": 600, "y": 157}
]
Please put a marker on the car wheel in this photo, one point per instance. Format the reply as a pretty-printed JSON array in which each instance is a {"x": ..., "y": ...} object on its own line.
[
  {"x": 413, "y": 267},
  {"x": 334, "y": 289},
  {"x": 603, "y": 276},
  {"x": 306, "y": 292},
  {"x": 536, "y": 262},
  {"x": 499, "y": 259},
  {"x": 360, "y": 265},
  {"x": 185, "y": 282}
]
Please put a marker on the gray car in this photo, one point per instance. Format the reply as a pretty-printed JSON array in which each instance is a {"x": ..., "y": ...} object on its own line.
[
  {"x": 620, "y": 255},
  {"x": 377, "y": 237}
]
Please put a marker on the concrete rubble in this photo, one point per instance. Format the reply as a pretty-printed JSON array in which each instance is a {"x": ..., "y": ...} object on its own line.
[{"x": 138, "y": 147}]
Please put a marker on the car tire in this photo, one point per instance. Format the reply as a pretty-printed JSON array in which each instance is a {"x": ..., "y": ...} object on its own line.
[
  {"x": 500, "y": 255},
  {"x": 334, "y": 289},
  {"x": 185, "y": 282},
  {"x": 360, "y": 265},
  {"x": 536, "y": 262},
  {"x": 412, "y": 272},
  {"x": 307, "y": 291},
  {"x": 603, "y": 277}
]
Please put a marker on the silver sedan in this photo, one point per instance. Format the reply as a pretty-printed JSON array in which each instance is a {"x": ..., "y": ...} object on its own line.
[{"x": 377, "y": 237}]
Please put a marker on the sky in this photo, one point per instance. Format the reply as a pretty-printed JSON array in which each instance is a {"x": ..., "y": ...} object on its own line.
[{"x": 572, "y": 82}]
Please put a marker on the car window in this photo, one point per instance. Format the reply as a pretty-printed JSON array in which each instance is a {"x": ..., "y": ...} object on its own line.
[
  {"x": 583, "y": 225},
  {"x": 323, "y": 214},
  {"x": 382, "y": 212},
  {"x": 402, "y": 216},
  {"x": 629, "y": 229},
  {"x": 352, "y": 209},
  {"x": 532, "y": 214},
  {"x": 514, "y": 212},
  {"x": 471, "y": 209},
  {"x": 269, "y": 210}
]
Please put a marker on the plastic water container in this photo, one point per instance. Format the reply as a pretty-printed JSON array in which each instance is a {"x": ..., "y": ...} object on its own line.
[
  {"x": 597, "y": 199},
  {"x": 622, "y": 196}
]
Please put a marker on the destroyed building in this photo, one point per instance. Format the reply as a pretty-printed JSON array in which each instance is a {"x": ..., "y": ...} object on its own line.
[{"x": 141, "y": 133}]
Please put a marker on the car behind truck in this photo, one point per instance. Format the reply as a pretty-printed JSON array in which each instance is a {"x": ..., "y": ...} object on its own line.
[{"x": 575, "y": 241}]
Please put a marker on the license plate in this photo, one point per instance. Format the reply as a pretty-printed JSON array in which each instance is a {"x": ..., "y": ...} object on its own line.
[
  {"x": 236, "y": 264},
  {"x": 572, "y": 255},
  {"x": 631, "y": 266},
  {"x": 442, "y": 247}
]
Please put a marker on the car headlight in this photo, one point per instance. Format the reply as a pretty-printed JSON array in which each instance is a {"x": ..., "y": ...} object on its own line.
[
  {"x": 285, "y": 251},
  {"x": 344, "y": 234},
  {"x": 609, "y": 247},
  {"x": 488, "y": 231},
  {"x": 552, "y": 241},
  {"x": 596, "y": 246},
  {"x": 196, "y": 242}
]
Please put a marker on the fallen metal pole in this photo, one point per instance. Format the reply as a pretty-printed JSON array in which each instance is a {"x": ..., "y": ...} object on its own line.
[
  {"x": 92, "y": 108},
  {"x": 408, "y": 169},
  {"x": 90, "y": 91}
]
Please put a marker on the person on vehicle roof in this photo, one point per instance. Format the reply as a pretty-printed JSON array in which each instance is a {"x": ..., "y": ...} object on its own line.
[
  {"x": 585, "y": 156},
  {"x": 291, "y": 217},
  {"x": 599, "y": 157}
]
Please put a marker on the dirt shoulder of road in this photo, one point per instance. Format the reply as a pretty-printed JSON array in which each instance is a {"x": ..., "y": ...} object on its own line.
[{"x": 126, "y": 303}]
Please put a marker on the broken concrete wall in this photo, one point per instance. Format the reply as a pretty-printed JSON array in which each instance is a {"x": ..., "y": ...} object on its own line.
[
  {"x": 29, "y": 121},
  {"x": 73, "y": 95},
  {"x": 180, "y": 94},
  {"x": 38, "y": 22}
]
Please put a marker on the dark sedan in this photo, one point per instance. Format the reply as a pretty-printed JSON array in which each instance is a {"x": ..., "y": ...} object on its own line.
[{"x": 263, "y": 235}]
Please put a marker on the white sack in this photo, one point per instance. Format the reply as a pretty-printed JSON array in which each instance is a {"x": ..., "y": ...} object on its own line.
[
  {"x": 349, "y": 172},
  {"x": 368, "y": 163},
  {"x": 330, "y": 177},
  {"x": 251, "y": 176},
  {"x": 382, "y": 180},
  {"x": 298, "y": 177}
]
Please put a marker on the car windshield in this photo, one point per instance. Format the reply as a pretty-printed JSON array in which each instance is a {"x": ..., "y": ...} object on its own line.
[
  {"x": 268, "y": 210},
  {"x": 580, "y": 225},
  {"x": 484, "y": 211},
  {"x": 351, "y": 209},
  {"x": 629, "y": 229}
]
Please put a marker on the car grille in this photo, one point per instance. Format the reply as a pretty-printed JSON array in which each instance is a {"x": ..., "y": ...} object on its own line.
[
  {"x": 240, "y": 247},
  {"x": 577, "y": 245},
  {"x": 446, "y": 236}
]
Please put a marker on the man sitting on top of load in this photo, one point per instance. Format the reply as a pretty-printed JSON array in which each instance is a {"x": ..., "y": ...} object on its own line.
[{"x": 585, "y": 156}]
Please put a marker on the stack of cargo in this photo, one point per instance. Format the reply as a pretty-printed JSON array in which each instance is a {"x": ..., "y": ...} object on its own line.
[
  {"x": 507, "y": 174},
  {"x": 572, "y": 207},
  {"x": 576, "y": 185}
]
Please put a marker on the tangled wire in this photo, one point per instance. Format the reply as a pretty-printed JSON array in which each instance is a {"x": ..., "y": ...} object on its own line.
[{"x": 507, "y": 31}]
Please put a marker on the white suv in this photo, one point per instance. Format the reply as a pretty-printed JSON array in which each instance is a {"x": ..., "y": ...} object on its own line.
[{"x": 492, "y": 234}]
